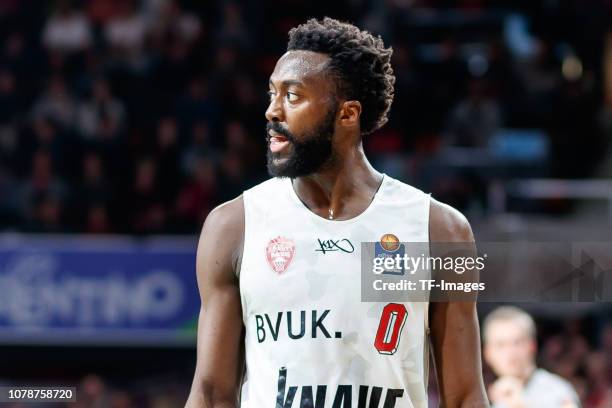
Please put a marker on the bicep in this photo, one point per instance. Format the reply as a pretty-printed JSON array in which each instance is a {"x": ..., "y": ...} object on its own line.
[{"x": 220, "y": 328}]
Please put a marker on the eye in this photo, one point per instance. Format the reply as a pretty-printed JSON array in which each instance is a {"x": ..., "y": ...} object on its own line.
[
  {"x": 291, "y": 97},
  {"x": 271, "y": 94}
]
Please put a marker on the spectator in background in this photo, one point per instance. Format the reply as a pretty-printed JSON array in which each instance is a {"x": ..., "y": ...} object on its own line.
[
  {"x": 596, "y": 368},
  {"x": 44, "y": 134},
  {"x": 606, "y": 339},
  {"x": 225, "y": 69},
  {"x": 14, "y": 54},
  {"x": 167, "y": 156},
  {"x": 198, "y": 148},
  {"x": 100, "y": 11},
  {"x": 197, "y": 197},
  {"x": 233, "y": 29},
  {"x": 67, "y": 30},
  {"x": 42, "y": 197},
  {"x": 56, "y": 103},
  {"x": 9, "y": 106},
  {"x": 173, "y": 21},
  {"x": 471, "y": 125},
  {"x": 233, "y": 175},
  {"x": 175, "y": 35},
  {"x": 47, "y": 214},
  {"x": 146, "y": 211},
  {"x": 98, "y": 221},
  {"x": 475, "y": 119},
  {"x": 236, "y": 138},
  {"x": 197, "y": 105},
  {"x": 541, "y": 77},
  {"x": 509, "y": 336},
  {"x": 9, "y": 110},
  {"x": 121, "y": 399},
  {"x": 451, "y": 74},
  {"x": 93, "y": 393},
  {"x": 125, "y": 33},
  {"x": 101, "y": 117},
  {"x": 94, "y": 188},
  {"x": 243, "y": 102}
]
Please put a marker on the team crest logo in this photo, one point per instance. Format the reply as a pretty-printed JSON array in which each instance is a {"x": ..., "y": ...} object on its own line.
[{"x": 279, "y": 253}]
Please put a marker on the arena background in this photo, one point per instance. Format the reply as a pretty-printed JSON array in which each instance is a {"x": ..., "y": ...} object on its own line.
[{"x": 122, "y": 123}]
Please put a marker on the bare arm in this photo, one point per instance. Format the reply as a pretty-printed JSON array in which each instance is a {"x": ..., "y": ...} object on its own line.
[
  {"x": 220, "y": 330},
  {"x": 455, "y": 336}
]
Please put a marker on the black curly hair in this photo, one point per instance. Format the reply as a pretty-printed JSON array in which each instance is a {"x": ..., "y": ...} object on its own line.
[{"x": 359, "y": 61}]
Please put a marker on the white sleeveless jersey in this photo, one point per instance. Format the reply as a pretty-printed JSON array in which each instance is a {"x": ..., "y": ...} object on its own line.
[{"x": 310, "y": 341}]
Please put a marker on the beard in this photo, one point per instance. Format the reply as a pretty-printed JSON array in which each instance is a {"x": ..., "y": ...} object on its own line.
[{"x": 306, "y": 156}]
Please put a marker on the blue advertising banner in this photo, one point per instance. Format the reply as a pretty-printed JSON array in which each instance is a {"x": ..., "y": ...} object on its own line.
[{"x": 80, "y": 290}]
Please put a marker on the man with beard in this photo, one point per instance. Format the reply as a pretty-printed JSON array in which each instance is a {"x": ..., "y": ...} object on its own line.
[{"x": 282, "y": 322}]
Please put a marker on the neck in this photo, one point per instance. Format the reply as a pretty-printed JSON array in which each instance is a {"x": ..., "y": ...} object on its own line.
[
  {"x": 527, "y": 373},
  {"x": 343, "y": 189}
]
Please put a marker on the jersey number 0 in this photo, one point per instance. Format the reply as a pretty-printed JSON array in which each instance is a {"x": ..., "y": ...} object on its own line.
[{"x": 390, "y": 328}]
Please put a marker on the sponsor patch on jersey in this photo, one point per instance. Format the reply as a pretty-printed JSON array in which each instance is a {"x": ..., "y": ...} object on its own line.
[
  {"x": 388, "y": 247},
  {"x": 332, "y": 245},
  {"x": 279, "y": 253}
]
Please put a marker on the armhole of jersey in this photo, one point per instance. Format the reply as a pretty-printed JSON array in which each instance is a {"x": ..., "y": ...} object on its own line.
[
  {"x": 426, "y": 339},
  {"x": 427, "y": 211},
  {"x": 246, "y": 198},
  {"x": 240, "y": 263}
]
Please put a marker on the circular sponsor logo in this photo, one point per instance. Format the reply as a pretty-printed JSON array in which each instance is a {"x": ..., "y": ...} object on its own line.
[{"x": 389, "y": 242}]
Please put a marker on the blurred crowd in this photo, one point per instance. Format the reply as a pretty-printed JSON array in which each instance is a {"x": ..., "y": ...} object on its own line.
[
  {"x": 586, "y": 364},
  {"x": 140, "y": 116},
  {"x": 124, "y": 116}
]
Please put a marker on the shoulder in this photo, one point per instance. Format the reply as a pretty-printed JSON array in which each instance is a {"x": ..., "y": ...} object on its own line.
[
  {"x": 446, "y": 224},
  {"x": 224, "y": 226},
  {"x": 221, "y": 238},
  {"x": 265, "y": 187},
  {"x": 257, "y": 198},
  {"x": 559, "y": 388},
  {"x": 226, "y": 217},
  {"x": 399, "y": 192},
  {"x": 545, "y": 378}
]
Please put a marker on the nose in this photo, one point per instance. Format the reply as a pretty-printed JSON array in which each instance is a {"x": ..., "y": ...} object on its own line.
[{"x": 275, "y": 112}]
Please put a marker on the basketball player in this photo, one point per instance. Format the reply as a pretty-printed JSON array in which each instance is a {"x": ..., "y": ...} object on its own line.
[{"x": 278, "y": 268}]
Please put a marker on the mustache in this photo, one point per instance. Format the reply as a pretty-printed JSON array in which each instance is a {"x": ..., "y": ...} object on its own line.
[{"x": 275, "y": 126}]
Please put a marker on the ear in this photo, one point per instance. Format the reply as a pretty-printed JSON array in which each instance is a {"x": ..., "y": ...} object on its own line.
[
  {"x": 350, "y": 111},
  {"x": 533, "y": 347}
]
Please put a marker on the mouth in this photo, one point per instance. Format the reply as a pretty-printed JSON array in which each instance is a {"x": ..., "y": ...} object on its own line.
[{"x": 278, "y": 142}]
